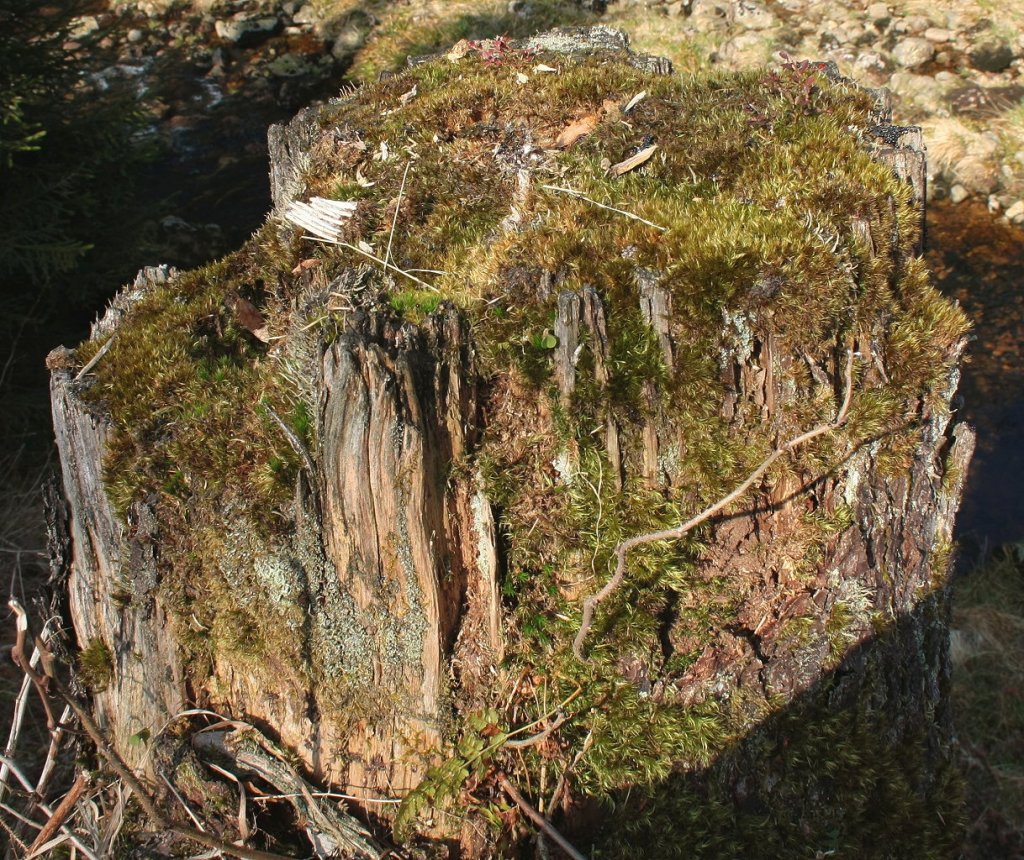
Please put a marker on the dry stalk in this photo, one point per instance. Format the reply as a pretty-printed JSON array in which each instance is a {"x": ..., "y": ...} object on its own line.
[
  {"x": 572, "y": 193},
  {"x": 52, "y": 684},
  {"x": 60, "y": 814},
  {"x": 591, "y": 603},
  {"x": 537, "y": 818}
]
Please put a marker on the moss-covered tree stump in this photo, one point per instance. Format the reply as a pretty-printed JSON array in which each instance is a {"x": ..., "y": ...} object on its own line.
[{"x": 355, "y": 487}]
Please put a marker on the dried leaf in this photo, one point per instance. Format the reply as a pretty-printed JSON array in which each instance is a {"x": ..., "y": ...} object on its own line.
[
  {"x": 405, "y": 98},
  {"x": 575, "y": 130},
  {"x": 634, "y": 161},
  {"x": 309, "y": 263},
  {"x": 362, "y": 180},
  {"x": 365, "y": 247},
  {"x": 249, "y": 317},
  {"x": 540, "y": 67},
  {"x": 521, "y": 78}
]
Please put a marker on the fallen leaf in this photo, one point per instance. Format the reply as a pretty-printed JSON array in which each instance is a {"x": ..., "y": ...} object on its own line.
[
  {"x": 365, "y": 247},
  {"x": 249, "y": 317},
  {"x": 362, "y": 180},
  {"x": 575, "y": 130},
  {"x": 405, "y": 98},
  {"x": 309, "y": 263},
  {"x": 521, "y": 78},
  {"x": 634, "y": 161},
  {"x": 540, "y": 67}
]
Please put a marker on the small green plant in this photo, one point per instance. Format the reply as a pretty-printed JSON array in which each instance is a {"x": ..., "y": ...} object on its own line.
[
  {"x": 444, "y": 783},
  {"x": 96, "y": 665}
]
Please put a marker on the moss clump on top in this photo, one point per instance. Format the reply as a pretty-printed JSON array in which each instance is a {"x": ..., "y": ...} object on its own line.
[{"x": 747, "y": 206}]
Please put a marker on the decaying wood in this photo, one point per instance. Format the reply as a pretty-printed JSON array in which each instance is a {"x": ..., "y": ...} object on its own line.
[{"x": 400, "y": 553}]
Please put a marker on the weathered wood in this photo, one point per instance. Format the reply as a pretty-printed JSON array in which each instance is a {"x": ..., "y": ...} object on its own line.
[{"x": 111, "y": 586}]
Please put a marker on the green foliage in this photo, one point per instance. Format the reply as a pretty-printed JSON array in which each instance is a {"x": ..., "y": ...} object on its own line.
[
  {"x": 444, "y": 783},
  {"x": 96, "y": 665}
]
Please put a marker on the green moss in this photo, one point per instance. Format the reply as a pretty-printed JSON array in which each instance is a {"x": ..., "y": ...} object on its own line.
[
  {"x": 96, "y": 665},
  {"x": 844, "y": 792}
]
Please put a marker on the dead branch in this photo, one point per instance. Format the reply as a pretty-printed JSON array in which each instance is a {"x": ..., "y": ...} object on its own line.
[
  {"x": 537, "y": 818},
  {"x": 60, "y": 814},
  {"x": 591, "y": 603},
  {"x": 117, "y": 764}
]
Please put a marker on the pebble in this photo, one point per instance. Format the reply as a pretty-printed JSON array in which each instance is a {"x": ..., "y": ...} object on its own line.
[
  {"x": 913, "y": 52},
  {"x": 1015, "y": 213},
  {"x": 878, "y": 12},
  {"x": 958, "y": 194}
]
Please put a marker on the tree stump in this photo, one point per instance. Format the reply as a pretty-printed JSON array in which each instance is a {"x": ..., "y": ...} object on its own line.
[{"x": 353, "y": 484}]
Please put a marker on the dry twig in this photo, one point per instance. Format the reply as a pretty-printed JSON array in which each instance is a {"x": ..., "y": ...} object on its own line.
[
  {"x": 590, "y": 604},
  {"x": 537, "y": 818},
  {"x": 573, "y": 193}
]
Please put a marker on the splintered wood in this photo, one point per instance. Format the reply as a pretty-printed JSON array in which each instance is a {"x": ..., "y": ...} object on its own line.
[{"x": 324, "y": 218}]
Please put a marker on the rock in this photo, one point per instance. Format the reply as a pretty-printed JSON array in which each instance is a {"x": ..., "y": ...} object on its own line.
[
  {"x": 939, "y": 35},
  {"x": 707, "y": 16},
  {"x": 913, "y": 52},
  {"x": 291, "y": 66},
  {"x": 991, "y": 55},
  {"x": 135, "y": 35},
  {"x": 977, "y": 174},
  {"x": 878, "y": 14},
  {"x": 751, "y": 16},
  {"x": 246, "y": 32},
  {"x": 307, "y": 15},
  {"x": 958, "y": 194},
  {"x": 915, "y": 25},
  {"x": 923, "y": 90},
  {"x": 871, "y": 61},
  {"x": 1015, "y": 213},
  {"x": 981, "y": 102},
  {"x": 83, "y": 26}
]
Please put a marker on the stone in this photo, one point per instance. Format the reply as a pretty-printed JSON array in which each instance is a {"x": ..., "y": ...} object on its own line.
[
  {"x": 913, "y": 52},
  {"x": 707, "y": 16},
  {"x": 916, "y": 25},
  {"x": 751, "y": 16},
  {"x": 745, "y": 50},
  {"x": 83, "y": 26},
  {"x": 306, "y": 15},
  {"x": 991, "y": 55},
  {"x": 1015, "y": 213},
  {"x": 939, "y": 35},
  {"x": 871, "y": 61},
  {"x": 878, "y": 13},
  {"x": 246, "y": 32},
  {"x": 135, "y": 35},
  {"x": 923, "y": 90},
  {"x": 977, "y": 174},
  {"x": 958, "y": 194}
]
